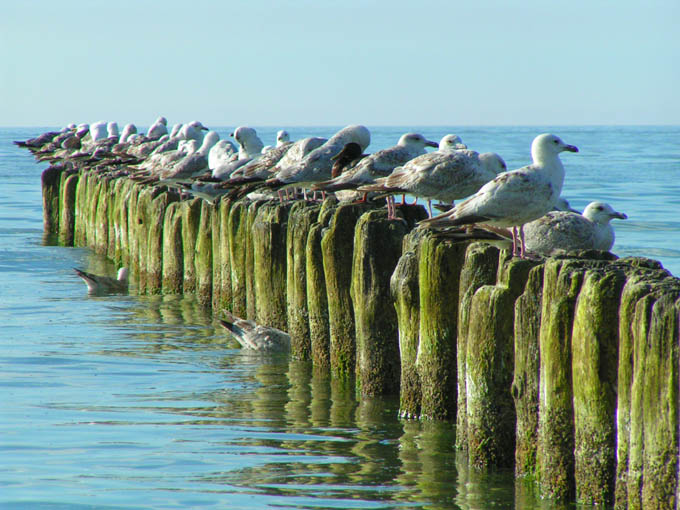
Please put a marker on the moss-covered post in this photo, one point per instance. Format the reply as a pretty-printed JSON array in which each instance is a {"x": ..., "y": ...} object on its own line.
[
  {"x": 224, "y": 265},
  {"x": 300, "y": 219},
  {"x": 406, "y": 298},
  {"x": 561, "y": 284},
  {"x": 67, "y": 209},
  {"x": 93, "y": 184},
  {"x": 112, "y": 220},
  {"x": 154, "y": 247},
  {"x": 441, "y": 263},
  {"x": 336, "y": 246},
  {"x": 203, "y": 258},
  {"x": 121, "y": 214},
  {"x": 594, "y": 369},
  {"x": 659, "y": 423},
  {"x": 216, "y": 248},
  {"x": 143, "y": 222},
  {"x": 269, "y": 264},
  {"x": 50, "y": 180},
  {"x": 191, "y": 219},
  {"x": 251, "y": 300},
  {"x": 102, "y": 213},
  {"x": 317, "y": 299},
  {"x": 489, "y": 359},
  {"x": 237, "y": 255},
  {"x": 480, "y": 268},
  {"x": 377, "y": 248},
  {"x": 640, "y": 283},
  {"x": 80, "y": 226},
  {"x": 525, "y": 387},
  {"x": 173, "y": 255},
  {"x": 132, "y": 228}
]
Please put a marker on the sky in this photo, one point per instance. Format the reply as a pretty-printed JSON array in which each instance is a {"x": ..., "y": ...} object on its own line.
[{"x": 330, "y": 63}]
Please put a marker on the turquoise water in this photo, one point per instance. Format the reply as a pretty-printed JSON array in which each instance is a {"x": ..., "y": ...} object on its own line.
[{"x": 142, "y": 402}]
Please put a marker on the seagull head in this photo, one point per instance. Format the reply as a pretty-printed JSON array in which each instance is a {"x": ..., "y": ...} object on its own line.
[
  {"x": 599, "y": 212},
  {"x": 416, "y": 141},
  {"x": 451, "y": 143}
]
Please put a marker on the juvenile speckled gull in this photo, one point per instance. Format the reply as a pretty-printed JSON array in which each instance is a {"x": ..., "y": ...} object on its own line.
[
  {"x": 97, "y": 284},
  {"x": 447, "y": 174},
  {"x": 559, "y": 231},
  {"x": 254, "y": 336},
  {"x": 517, "y": 197}
]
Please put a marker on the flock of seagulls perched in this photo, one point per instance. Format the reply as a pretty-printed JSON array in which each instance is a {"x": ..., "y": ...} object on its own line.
[{"x": 517, "y": 206}]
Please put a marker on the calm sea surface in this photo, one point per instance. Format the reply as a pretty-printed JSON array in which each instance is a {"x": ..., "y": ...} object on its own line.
[{"x": 142, "y": 402}]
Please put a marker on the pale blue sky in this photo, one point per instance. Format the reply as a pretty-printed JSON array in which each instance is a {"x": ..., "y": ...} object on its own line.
[{"x": 319, "y": 62}]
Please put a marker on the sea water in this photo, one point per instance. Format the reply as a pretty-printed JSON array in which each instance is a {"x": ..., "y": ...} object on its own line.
[{"x": 143, "y": 402}]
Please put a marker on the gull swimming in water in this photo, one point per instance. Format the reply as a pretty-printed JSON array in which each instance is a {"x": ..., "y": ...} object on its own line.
[
  {"x": 105, "y": 284},
  {"x": 255, "y": 337},
  {"x": 516, "y": 197}
]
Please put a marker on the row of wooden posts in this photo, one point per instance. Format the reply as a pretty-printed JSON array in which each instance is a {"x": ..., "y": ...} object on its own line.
[{"x": 566, "y": 369}]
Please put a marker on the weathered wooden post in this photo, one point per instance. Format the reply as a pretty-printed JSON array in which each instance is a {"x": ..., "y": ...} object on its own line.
[
  {"x": 224, "y": 266},
  {"x": 154, "y": 247},
  {"x": 525, "y": 384},
  {"x": 441, "y": 263},
  {"x": 337, "y": 266},
  {"x": 406, "y": 298},
  {"x": 102, "y": 213},
  {"x": 251, "y": 302},
  {"x": 300, "y": 220},
  {"x": 67, "y": 208},
  {"x": 203, "y": 256},
  {"x": 191, "y": 218},
  {"x": 480, "y": 268},
  {"x": 50, "y": 181},
  {"x": 594, "y": 368},
  {"x": 237, "y": 256},
  {"x": 377, "y": 248},
  {"x": 173, "y": 252},
  {"x": 269, "y": 264}
]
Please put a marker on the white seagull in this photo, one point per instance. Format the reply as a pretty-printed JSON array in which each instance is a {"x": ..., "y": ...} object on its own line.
[{"x": 516, "y": 197}]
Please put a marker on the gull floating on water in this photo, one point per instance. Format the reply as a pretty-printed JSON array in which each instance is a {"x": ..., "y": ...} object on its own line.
[
  {"x": 516, "y": 197},
  {"x": 253, "y": 336},
  {"x": 105, "y": 284}
]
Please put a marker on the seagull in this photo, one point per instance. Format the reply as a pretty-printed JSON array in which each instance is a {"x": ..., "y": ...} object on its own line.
[
  {"x": 378, "y": 164},
  {"x": 317, "y": 165},
  {"x": 447, "y": 174},
  {"x": 250, "y": 148},
  {"x": 104, "y": 284},
  {"x": 253, "y": 336},
  {"x": 158, "y": 128},
  {"x": 567, "y": 231},
  {"x": 516, "y": 197}
]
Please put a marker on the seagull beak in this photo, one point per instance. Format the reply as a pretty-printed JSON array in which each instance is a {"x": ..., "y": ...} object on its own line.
[
  {"x": 619, "y": 215},
  {"x": 571, "y": 148},
  {"x": 431, "y": 144}
]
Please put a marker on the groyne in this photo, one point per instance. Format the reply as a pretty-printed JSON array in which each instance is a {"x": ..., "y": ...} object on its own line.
[{"x": 565, "y": 370}]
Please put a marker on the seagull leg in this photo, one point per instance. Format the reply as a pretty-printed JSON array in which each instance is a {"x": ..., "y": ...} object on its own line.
[
  {"x": 514, "y": 242},
  {"x": 429, "y": 208},
  {"x": 523, "y": 247}
]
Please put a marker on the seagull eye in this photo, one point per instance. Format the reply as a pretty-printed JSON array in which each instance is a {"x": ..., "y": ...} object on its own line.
[
  {"x": 599, "y": 207},
  {"x": 555, "y": 141}
]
